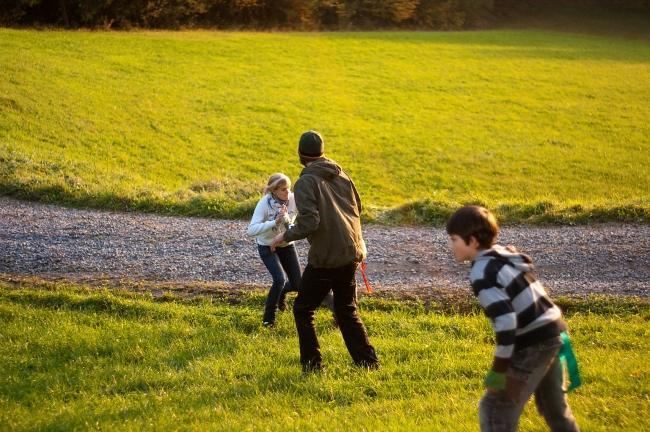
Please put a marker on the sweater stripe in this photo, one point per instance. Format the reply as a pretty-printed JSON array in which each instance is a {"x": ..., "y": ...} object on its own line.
[{"x": 513, "y": 300}]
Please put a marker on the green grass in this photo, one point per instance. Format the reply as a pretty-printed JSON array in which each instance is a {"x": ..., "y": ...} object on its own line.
[
  {"x": 75, "y": 358},
  {"x": 538, "y": 125}
]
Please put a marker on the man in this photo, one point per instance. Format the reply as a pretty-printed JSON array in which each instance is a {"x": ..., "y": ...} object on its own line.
[{"x": 329, "y": 212}]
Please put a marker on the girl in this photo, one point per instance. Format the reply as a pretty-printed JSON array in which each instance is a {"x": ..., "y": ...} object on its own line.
[{"x": 273, "y": 214}]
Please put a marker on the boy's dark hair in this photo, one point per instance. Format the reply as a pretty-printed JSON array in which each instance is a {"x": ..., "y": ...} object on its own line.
[{"x": 474, "y": 221}]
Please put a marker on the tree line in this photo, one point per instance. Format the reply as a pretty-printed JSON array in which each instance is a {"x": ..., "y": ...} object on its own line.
[{"x": 281, "y": 14}]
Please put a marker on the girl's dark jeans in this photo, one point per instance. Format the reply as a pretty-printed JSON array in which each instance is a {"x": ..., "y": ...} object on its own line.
[{"x": 285, "y": 270}]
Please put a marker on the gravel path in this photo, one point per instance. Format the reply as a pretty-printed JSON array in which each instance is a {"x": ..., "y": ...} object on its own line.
[{"x": 55, "y": 242}]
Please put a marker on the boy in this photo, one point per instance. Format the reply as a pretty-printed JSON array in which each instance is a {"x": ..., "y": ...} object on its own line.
[{"x": 528, "y": 325}]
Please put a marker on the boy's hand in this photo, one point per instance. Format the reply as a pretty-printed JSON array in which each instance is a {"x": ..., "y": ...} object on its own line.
[{"x": 495, "y": 381}]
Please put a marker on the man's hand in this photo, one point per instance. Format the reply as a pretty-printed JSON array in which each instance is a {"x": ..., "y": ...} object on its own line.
[{"x": 276, "y": 241}]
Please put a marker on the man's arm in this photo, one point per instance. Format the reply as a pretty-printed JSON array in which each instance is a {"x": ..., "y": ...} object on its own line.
[
  {"x": 356, "y": 193},
  {"x": 308, "y": 219},
  {"x": 356, "y": 196}
]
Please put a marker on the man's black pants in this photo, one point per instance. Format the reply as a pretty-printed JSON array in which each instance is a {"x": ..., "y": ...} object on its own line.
[{"x": 314, "y": 286}]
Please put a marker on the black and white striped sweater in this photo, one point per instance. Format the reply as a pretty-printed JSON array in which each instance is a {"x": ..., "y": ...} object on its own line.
[{"x": 520, "y": 310}]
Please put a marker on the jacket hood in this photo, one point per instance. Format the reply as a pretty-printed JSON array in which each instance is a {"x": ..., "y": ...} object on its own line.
[
  {"x": 325, "y": 168},
  {"x": 518, "y": 260}
]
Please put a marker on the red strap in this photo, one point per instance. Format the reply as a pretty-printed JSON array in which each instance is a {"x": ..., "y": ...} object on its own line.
[{"x": 365, "y": 278}]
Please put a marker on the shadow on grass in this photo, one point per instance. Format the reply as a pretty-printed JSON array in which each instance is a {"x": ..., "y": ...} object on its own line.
[
  {"x": 105, "y": 304},
  {"x": 430, "y": 212},
  {"x": 119, "y": 301},
  {"x": 423, "y": 212},
  {"x": 201, "y": 204},
  {"x": 587, "y": 20}
]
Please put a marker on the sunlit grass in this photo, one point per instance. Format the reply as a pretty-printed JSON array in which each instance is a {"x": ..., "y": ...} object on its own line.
[
  {"x": 78, "y": 358},
  {"x": 538, "y": 125}
]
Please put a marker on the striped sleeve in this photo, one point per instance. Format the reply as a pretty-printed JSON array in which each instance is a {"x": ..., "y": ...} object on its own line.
[{"x": 499, "y": 309}]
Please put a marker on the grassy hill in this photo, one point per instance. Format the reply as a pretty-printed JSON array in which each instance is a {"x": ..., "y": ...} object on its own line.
[
  {"x": 79, "y": 358},
  {"x": 539, "y": 125}
]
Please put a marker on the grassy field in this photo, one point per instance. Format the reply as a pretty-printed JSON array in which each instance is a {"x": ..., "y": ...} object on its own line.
[
  {"x": 75, "y": 358},
  {"x": 539, "y": 125}
]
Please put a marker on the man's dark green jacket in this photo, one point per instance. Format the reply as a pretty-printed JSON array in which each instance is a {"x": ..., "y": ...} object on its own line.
[{"x": 329, "y": 212}]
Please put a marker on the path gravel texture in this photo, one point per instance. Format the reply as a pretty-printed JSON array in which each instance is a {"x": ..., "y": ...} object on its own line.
[{"x": 55, "y": 242}]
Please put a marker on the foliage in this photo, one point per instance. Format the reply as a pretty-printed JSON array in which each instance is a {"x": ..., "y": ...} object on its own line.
[{"x": 296, "y": 14}]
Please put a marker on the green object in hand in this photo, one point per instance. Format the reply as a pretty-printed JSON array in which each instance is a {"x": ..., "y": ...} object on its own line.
[
  {"x": 495, "y": 380},
  {"x": 569, "y": 363}
]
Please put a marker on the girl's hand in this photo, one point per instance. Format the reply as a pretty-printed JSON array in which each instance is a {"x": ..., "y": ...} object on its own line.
[{"x": 280, "y": 218}]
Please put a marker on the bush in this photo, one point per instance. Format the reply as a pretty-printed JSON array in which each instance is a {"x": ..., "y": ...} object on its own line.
[
  {"x": 284, "y": 14},
  {"x": 264, "y": 14}
]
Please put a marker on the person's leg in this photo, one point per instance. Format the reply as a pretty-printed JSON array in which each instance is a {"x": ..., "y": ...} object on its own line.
[
  {"x": 291, "y": 265},
  {"x": 314, "y": 286},
  {"x": 352, "y": 328},
  {"x": 552, "y": 402},
  {"x": 328, "y": 302},
  {"x": 499, "y": 411},
  {"x": 289, "y": 260},
  {"x": 272, "y": 263}
]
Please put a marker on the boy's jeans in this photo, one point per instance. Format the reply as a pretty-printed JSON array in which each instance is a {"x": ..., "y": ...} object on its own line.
[{"x": 538, "y": 370}]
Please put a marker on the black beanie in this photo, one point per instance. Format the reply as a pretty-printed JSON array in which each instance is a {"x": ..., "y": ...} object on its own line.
[{"x": 311, "y": 144}]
